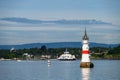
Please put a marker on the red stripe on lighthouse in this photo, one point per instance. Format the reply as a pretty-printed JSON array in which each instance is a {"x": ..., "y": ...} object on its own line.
[{"x": 85, "y": 52}]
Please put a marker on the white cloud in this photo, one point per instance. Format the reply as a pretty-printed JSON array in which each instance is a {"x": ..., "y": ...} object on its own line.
[{"x": 58, "y": 33}]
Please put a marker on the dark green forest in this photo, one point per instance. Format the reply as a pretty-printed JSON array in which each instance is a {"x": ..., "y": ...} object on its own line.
[{"x": 53, "y": 53}]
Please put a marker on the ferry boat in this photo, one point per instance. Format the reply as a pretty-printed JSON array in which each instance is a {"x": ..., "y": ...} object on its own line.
[{"x": 66, "y": 56}]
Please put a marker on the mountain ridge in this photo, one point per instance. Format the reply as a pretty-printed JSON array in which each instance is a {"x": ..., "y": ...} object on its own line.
[{"x": 57, "y": 45}]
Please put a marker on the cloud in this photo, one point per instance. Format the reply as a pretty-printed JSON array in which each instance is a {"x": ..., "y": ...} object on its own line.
[
  {"x": 3, "y": 22},
  {"x": 62, "y": 21},
  {"x": 32, "y": 33}
]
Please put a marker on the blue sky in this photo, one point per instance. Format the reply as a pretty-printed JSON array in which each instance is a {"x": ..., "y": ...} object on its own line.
[
  {"x": 107, "y": 10},
  {"x": 19, "y": 33}
]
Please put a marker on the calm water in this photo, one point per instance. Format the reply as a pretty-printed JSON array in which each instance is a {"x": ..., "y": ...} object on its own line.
[{"x": 59, "y": 70}]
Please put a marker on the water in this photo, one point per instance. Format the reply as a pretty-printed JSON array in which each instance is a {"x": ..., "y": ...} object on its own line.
[{"x": 59, "y": 70}]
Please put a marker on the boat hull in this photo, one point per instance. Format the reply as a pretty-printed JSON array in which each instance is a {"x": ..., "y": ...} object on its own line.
[{"x": 66, "y": 59}]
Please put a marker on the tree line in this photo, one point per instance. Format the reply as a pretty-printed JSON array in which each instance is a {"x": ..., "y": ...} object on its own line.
[{"x": 96, "y": 52}]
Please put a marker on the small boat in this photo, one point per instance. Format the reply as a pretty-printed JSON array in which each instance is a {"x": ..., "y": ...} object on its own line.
[
  {"x": 49, "y": 62},
  {"x": 66, "y": 56},
  {"x": 18, "y": 60}
]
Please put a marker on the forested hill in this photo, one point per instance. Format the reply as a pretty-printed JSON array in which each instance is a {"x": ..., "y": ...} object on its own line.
[
  {"x": 56, "y": 45},
  {"x": 115, "y": 50}
]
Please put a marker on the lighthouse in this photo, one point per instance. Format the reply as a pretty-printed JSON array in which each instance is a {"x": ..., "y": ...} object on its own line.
[{"x": 85, "y": 60}]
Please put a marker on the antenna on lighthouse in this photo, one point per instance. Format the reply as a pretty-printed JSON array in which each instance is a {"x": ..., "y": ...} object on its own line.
[{"x": 85, "y": 60}]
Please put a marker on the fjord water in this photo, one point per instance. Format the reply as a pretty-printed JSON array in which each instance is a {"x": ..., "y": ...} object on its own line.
[{"x": 59, "y": 70}]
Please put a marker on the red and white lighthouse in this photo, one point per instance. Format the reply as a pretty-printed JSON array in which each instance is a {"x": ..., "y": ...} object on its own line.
[{"x": 85, "y": 61}]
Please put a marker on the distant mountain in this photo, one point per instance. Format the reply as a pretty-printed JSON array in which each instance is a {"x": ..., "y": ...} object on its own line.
[
  {"x": 56, "y": 45},
  {"x": 63, "y": 21}
]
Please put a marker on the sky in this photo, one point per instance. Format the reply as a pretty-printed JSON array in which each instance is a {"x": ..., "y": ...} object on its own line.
[{"x": 12, "y": 33}]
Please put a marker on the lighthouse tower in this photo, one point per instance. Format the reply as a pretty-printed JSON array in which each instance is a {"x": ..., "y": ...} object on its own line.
[{"x": 85, "y": 61}]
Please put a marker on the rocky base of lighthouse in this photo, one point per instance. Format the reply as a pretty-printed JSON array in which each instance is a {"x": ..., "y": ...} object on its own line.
[{"x": 86, "y": 65}]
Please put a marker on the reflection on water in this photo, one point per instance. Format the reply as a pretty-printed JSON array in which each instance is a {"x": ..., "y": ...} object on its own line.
[{"x": 85, "y": 73}]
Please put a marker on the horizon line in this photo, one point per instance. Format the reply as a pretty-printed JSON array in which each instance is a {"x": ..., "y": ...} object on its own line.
[{"x": 52, "y": 42}]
